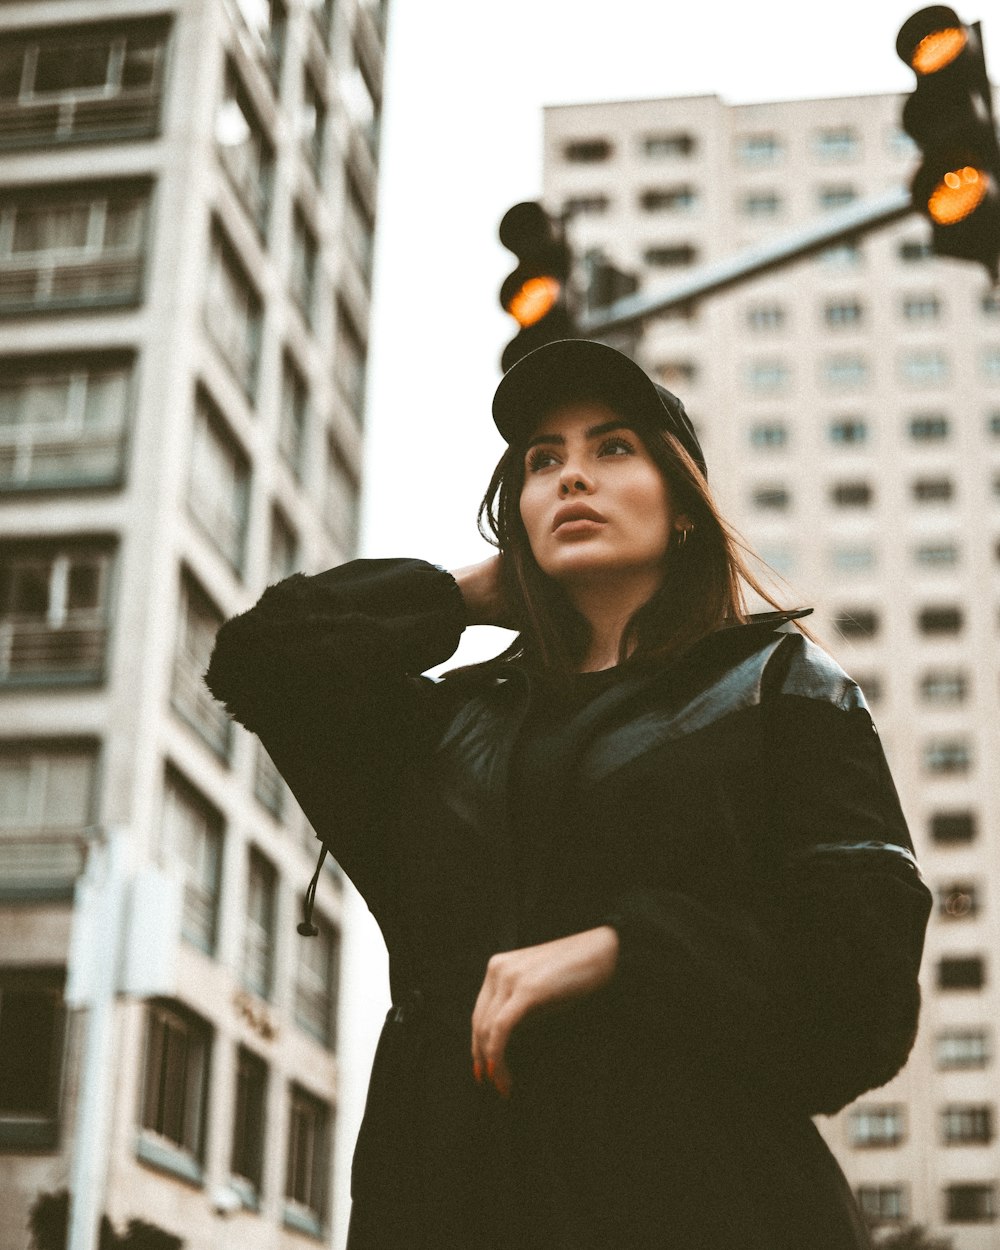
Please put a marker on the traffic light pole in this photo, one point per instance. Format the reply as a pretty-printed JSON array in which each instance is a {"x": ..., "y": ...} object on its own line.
[{"x": 848, "y": 223}]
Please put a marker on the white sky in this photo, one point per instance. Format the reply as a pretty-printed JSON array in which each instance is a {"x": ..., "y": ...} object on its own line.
[{"x": 465, "y": 87}]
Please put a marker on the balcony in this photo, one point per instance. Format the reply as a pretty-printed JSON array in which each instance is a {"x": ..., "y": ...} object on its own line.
[
  {"x": 41, "y": 864},
  {"x": 193, "y": 703},
  {"x": 40, "y": 462},
  {"x": 51, "y": 285},
  {"x": 73, "y": 119},
  {"x": 33, "y": 650}
]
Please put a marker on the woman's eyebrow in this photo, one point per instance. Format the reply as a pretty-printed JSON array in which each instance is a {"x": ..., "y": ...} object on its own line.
[{"x": 595, "y": 431}]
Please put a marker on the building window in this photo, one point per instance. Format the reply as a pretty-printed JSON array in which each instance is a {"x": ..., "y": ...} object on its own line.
[
  {"x": 961, "y": 973},
  {"x": 838, "y": 143},
  {"x": 940, "y": 620},
  {"x": 768, "y": 375},
  {"x": 233, "y": 312},
  {"x": 292, "y": 420},
  {"x": 766, "y": 317},
  {"x": 835, "y": 197},
  {"x": 963, "y": 1048},
  {"x": 848, "y": 431},
  {"x": 46, "y": 806},
  {"x": 771, "y": 498},
  {"x": 841, "y": 313},
  {"x": 63, "y": 422},
  {"x": 947, "y": 756},
  {"x": 950, "y": 828},
  {"x": 675, "y": 144},
  {"x": 668, "y": 199},
  {"x": 759, "y": 149},
  {"x": 970, "y": 1204},
  {"x": 317, "y": 980},
  {"x": 914, "y": 251},
  {"x": 54, "y": 611},
  {"x": 853, "y": 559},
  {"x": 769, "y": 434},
  {"x": 312, "y": 123},
  {"x": 857, "y": 624},
  {"x": 587, "y": 151},
  {"x": 932, "y": 489},
  {"x": 883, "y": 1204},
  {"x": 936, "y": 555},
  {"x": 268, "y": 786},
  {"x": 761, "y": 204},
  {"x": 877, "y": 1126},
  {"x": 359, "y": 227},
  {"x": 267, "y": 25},
  {"x": 851, "y": 494},
  {"x": 72, "y": 247},
  {"x": 32, "y": 1031},
  {"x": 246, "y": 1159},
  {"x": 924, "y": 367},
  {"x": 921, "y": 308},
  {"x": 944, "y": 687},
  {"x": 842, "y": 256},
  {"x": 218, "y": 482},
  {"x": 871, "y": 687},
  {"x": 673, "y": 257},
  {"x": 586, "y": 206},
  {"x": 199, "y": 620},
  {"x": 71, "y": 85},
  {"x": 302, "y": 275},
  {"x": 308, "y": 1153},
  {"x": 283, "y": 549},
  {"x": 990, "y": 304},
  {"x": 192, "y": 836},
  {"x": 175, "y": 1083},
  {"x": 245, "y": 150},
  {"x": 780, "y": 559},
  {"x": 350, "y": 361},
  {"x": 991, "y": 364},
  {"x": 929, "y": 427},
  {"x": 259, "y": 933},
  {"x": 845, "y": 371},
  {"x": 993, "y": 424},
  {"x": 958, "y": 900}
]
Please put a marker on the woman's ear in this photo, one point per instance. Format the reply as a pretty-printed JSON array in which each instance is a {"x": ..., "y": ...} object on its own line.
[{"x": 683, "y": 522}]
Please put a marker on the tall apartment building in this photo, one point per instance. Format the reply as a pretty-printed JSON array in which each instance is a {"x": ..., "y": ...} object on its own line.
[
  {"x": 187, "y": 195},
  {"x": 850, "y": 411}
]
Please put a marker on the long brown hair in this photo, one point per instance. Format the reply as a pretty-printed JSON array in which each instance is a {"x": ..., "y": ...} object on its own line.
[{"x": 704, "y": 584}]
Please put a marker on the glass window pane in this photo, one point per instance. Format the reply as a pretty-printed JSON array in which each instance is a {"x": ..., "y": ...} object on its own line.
[{"x": 72, "y": 66}]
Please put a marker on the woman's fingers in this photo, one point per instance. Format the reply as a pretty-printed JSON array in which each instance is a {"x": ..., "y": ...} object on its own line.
[{"x": 497, "y": 1012}]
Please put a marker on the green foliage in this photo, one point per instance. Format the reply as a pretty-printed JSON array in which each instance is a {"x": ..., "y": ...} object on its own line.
[{"x": 48, "y": 1224}]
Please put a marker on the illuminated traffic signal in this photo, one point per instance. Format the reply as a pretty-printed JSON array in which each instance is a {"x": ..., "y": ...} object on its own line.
[
  {"x": 537, "y": 293},
  {"x": 950, "y": 116}
]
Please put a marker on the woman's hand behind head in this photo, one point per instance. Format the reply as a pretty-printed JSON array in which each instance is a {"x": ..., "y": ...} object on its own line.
[{"x": 480, "y": 585}]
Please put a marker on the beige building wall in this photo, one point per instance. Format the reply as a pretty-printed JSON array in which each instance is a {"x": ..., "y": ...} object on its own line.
[
  {"x": 187, "y": 193},
  {"x": 849, "y": 407}
]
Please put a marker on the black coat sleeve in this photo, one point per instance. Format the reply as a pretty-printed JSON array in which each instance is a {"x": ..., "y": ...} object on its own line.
[
  {"x": 805, "y": 981},
  {"x": 325, "y": 670}
]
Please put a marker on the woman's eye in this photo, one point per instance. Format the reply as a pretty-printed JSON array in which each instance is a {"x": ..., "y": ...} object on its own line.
[
  {"x": 616, "y": 447},
  {"x": 540, "y": 459}
]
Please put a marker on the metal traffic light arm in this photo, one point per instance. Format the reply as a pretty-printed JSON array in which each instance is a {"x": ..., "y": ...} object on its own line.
[{"x": 848, "y": 223}]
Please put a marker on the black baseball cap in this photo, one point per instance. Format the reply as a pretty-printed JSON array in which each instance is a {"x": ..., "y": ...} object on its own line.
[{"x": 579, "y": 369}]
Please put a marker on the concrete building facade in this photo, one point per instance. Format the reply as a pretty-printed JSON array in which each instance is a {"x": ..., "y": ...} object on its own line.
[
  {"x": 187, "y": 213},
  {"x": 849, "y": 407}
]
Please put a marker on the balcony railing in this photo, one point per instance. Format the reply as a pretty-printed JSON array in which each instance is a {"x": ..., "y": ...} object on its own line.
[
  {"x": 41, "y": 862},
  {"x": 49, "y": 284},
  {"x": 192, "y": 701},
  {"x": 28, "y": 123},
  {"x": 269, "y": 786},
  {"x": 224, "y": 522},
  {"x": 45, "y": 461},
  {"x": 32, "y": 648}
]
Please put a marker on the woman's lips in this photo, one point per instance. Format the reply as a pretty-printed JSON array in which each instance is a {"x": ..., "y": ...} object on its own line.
[{"x": 573, "y": 514}]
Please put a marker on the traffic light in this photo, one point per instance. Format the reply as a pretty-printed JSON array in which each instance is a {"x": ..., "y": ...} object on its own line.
[
  {"x": 537, "y": 293},
  {"x": 950, "y": 116}
]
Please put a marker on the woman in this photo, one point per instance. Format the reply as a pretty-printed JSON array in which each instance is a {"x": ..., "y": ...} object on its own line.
[{"x": 648, "y": 866}]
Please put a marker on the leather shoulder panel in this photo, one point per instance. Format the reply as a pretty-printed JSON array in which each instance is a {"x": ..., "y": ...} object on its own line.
[{"x": 811, "y": 673}]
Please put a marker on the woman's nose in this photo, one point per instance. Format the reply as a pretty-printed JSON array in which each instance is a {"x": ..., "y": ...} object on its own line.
[{"x": 573, "y": 480}]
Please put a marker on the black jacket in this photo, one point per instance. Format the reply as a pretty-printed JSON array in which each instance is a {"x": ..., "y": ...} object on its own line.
[{"x": 730, "y": 812}]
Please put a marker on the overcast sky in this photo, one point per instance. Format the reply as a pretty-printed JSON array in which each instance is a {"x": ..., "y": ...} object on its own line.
[{"x": 466, "y": 83}]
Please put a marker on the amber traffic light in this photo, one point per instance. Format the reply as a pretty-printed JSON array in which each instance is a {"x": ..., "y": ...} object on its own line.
[
  {"x": 950, "y": 117},
  {"x": 536, "y": 293}
]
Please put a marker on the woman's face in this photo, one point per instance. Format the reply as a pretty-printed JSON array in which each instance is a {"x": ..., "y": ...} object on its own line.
[{"x": 594, "y": 503}]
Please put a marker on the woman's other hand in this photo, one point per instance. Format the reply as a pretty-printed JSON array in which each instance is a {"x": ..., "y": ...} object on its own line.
[
  {"x": 521, "y": 981},
  {"x": 481, "y": 590}
]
